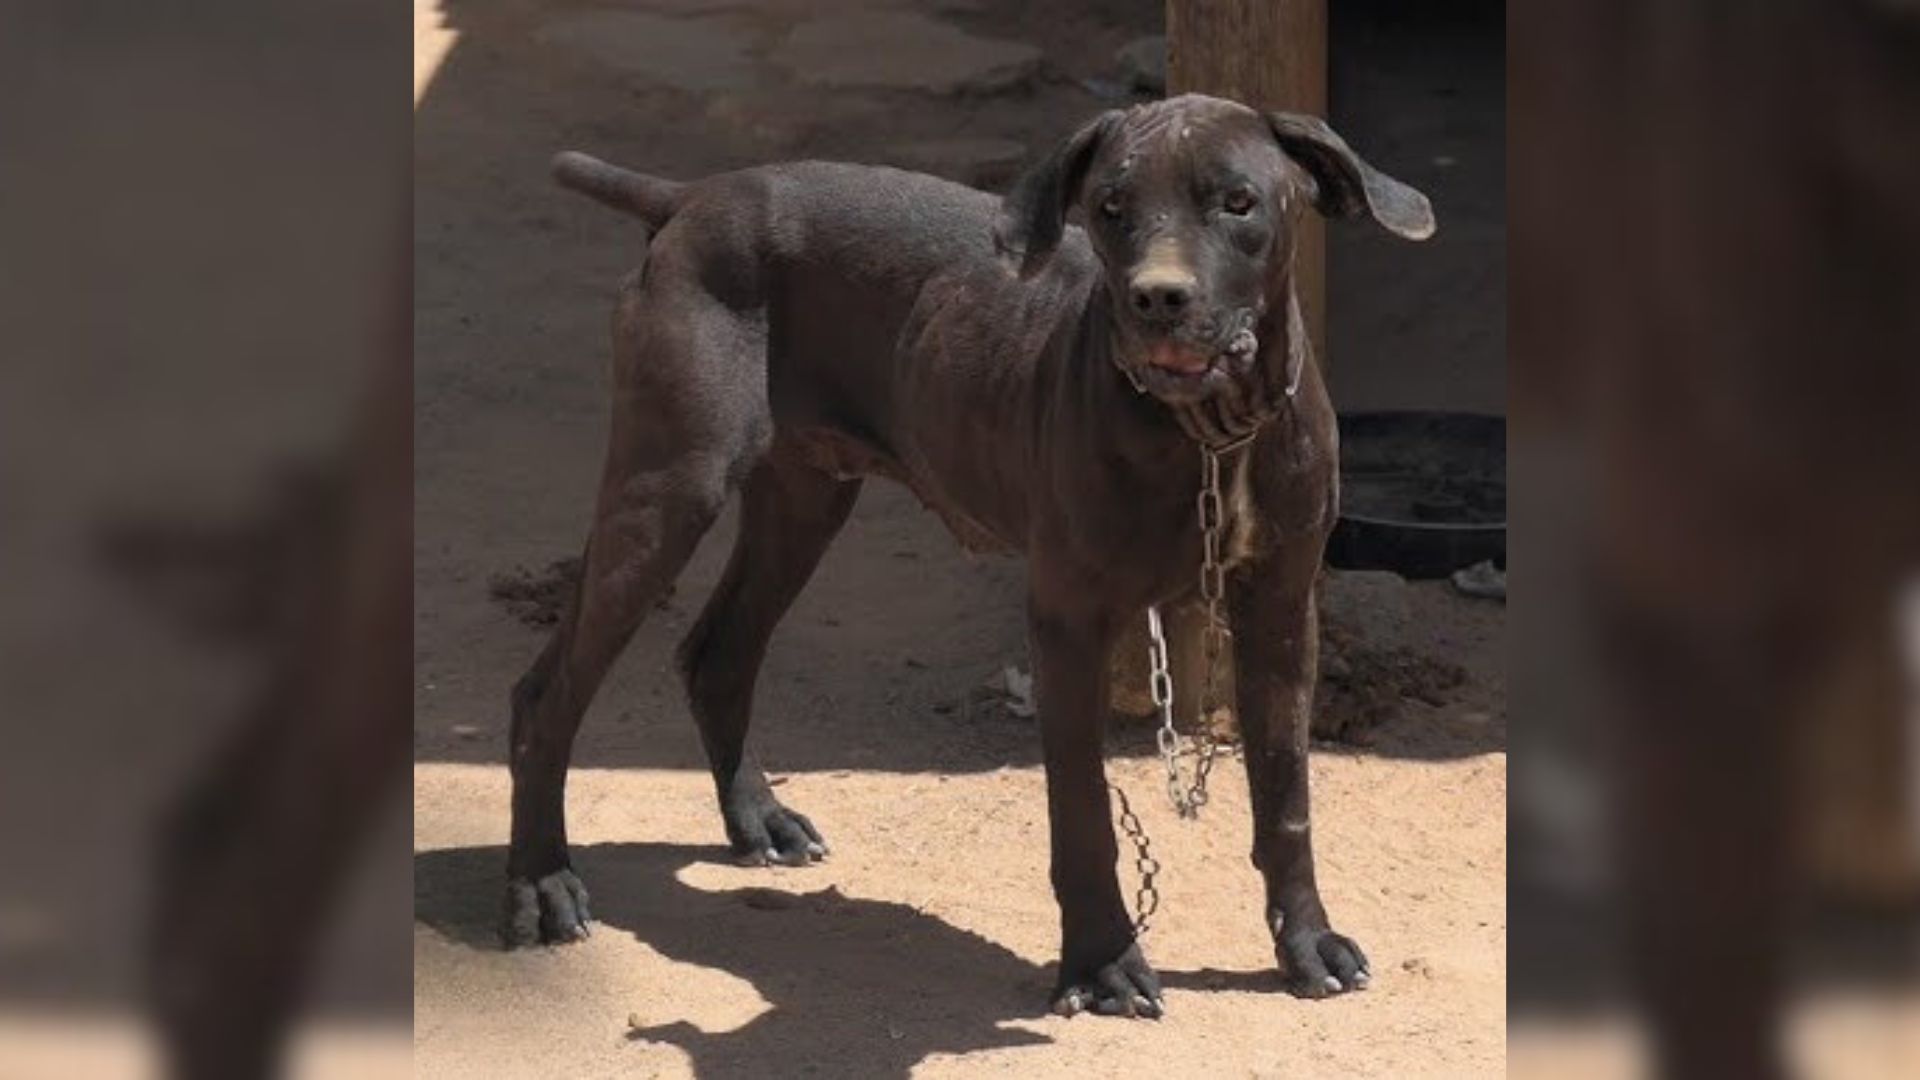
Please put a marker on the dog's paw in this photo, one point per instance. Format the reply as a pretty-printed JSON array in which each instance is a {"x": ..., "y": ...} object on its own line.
[
  {"x": 1124, "y": 987},
  {"x": 550, "y": 910},
  {"x": 765, "y": 833},
  {"x": 1318, "y": 963}
]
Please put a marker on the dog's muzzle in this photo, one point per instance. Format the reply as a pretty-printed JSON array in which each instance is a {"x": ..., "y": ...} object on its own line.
[
  {"x": 1179, "y": 358},
  {"x": 1220, "y": 396}
]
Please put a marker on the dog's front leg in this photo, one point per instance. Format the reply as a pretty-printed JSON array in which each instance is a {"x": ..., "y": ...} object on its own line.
[
  {"x": 1276, "y": 648},
  {"x": 1101, "y": 968}
]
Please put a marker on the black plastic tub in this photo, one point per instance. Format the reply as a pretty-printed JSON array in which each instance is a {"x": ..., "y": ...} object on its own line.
[{"x": 1421, "y": 493}]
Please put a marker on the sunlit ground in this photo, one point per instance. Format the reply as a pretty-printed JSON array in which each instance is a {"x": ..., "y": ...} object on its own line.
[
  {"x": 431, "y": 43},
  {"x": 1863, "y": 1035},
  {"x": 54, "y": 1046}
]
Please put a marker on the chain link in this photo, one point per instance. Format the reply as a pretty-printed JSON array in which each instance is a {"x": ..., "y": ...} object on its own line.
[
  {"x": 1146, "y": 898},
  {"x": 1160, "y": 686},
  {"x": 1187, "y": 798},
  {"x": 1212, "y": 587}
]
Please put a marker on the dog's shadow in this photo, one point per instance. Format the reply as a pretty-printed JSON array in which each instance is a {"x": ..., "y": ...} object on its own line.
[{"x": 856, "y": 987}]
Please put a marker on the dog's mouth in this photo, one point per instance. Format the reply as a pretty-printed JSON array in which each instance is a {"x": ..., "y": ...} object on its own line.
[
  {"x": 1179, "y": 359},
  {"x": 1180, "y": 371}
]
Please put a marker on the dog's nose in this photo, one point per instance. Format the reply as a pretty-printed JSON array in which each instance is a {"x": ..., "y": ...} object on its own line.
[{"x": 1161, "y": 297}]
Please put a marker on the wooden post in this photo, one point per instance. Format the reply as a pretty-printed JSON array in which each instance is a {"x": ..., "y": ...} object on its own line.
[{"x": 1270, "y": 54}]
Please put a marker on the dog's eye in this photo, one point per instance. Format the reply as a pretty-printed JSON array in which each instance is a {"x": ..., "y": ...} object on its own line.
[
  {"x": 1112, "y": 204},
  {"x": 1239, "y": 202}
]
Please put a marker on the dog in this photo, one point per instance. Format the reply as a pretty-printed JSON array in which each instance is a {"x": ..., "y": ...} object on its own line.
[{"x": 1047, "y": 389}]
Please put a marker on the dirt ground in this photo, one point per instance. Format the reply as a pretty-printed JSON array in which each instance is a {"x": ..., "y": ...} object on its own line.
[{"x": 923, "y": 945}]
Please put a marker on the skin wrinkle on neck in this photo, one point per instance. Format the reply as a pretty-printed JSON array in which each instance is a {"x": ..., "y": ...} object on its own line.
[{"x": 1174, "y": 448}]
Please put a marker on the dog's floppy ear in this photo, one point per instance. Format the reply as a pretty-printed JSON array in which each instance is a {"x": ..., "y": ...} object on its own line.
[
  {"x": 1345, "y": 185},
  {"x": 1034, "y": 212}
]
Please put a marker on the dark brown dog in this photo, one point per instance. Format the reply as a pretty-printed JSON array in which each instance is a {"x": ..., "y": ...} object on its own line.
[{"x": 1042, "y": 388}]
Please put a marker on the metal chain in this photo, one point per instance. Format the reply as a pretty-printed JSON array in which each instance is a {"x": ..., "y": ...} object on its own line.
[
  {"x": 1160, "y": 687},
  {"x": 1187, "y": 798},
  {"x": 1213, "y": 576},
  {"x": 1146, "y": 899}
]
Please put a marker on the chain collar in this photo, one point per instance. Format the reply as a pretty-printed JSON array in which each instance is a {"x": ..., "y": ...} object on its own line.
[{"x": 1213, "y": 429}]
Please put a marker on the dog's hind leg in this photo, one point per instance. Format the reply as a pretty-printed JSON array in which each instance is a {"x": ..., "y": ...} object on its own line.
[
  {"x": 679, "y": 443},
  {"x": 790, "y": 512}
]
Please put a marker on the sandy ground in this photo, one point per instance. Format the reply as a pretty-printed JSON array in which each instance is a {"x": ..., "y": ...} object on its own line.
[{"x": 923, "y": 946}]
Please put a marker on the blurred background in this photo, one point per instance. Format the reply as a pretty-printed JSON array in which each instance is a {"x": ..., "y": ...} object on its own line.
[
  {"x": 1715, "y": 819},
  {"x": 204, "y": 473}
]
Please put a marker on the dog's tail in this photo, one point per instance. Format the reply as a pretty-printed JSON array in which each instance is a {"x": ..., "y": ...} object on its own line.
[{"x": 648, "y": 198}]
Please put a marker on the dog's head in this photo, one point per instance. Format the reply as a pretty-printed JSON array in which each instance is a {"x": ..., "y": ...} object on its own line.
[{"x": 1191, "y": 205}]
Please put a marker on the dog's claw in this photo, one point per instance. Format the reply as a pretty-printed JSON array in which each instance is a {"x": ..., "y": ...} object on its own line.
[
  {"x": 1319, "y": 963},
  {"x": 1124, "y": 987},
  {"x": 765, "y": 833},
  {"x": 552, "y": 910}
]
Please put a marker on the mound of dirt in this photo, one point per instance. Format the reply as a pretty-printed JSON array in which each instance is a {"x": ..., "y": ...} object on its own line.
[
  {"x": 539, "y": 599},
  {"x": 1362, "y": 684},
  {"x": 536, "y": 599}
]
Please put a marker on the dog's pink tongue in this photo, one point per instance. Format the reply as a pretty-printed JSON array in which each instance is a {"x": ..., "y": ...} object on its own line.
[{"x": 1171, "y": 357}]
